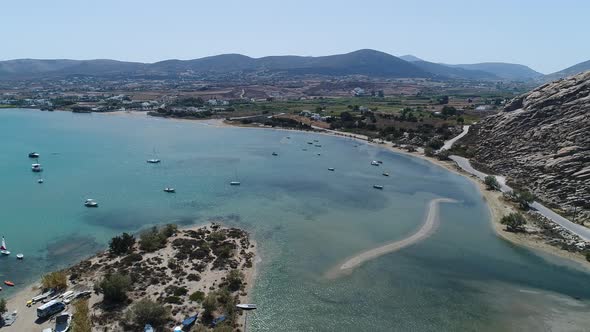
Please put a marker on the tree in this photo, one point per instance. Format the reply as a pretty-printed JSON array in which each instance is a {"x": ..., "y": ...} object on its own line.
[
  {"x": 146, "y": 311},
  {"x": 491, "y": 182},
  {"x": 123, "y": 244},
  {"x": 55, "y": 280},
  {"x": 81, "y": 319},
  {"x": 435, "y": 143},
  {"x": 151, "y": 240},
  {"x": 428, "y": 152},
  {"x": 525, "y": 198},
  {"x": 448, "y": 110},
  {"x": 209, "y": 306},
  {"x": 443, "y": 100},
  {"x": 2, "y": 306},
  {"x": 235, "y": 278},
  {"x": 443, "y": 155},
  {"x": 514, "y": 222},
  {"x": 114, "y": 287},
  {"x": 345, "y": 116}
]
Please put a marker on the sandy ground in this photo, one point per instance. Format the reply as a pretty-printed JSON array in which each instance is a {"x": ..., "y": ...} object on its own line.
[
  {"x": 26, "y": 321},
  {"x": 431, "y": 221}
]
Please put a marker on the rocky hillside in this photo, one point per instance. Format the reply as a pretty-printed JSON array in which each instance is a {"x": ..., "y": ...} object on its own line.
[{"x": 541, "y": 141}]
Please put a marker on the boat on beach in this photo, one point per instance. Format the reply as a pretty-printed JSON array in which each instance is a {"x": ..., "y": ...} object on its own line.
[
  {"x": 187, "y": 322},
  {"x": 3, "y": 250},
  {"x": 63, "y": 322}
]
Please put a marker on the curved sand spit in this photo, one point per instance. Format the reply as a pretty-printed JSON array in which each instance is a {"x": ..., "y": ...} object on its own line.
[{"x": 430, "y": 223}]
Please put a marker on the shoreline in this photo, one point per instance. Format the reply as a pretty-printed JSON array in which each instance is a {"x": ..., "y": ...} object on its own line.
[
  {"x": 210, "y": 280},
  {"x": 497, "y": 207},
  {"x": 431, "y": 222}
]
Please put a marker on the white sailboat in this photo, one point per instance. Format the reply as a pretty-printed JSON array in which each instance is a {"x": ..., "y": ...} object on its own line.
[
  {"x": 153, "y": 160},
  {"x": 3, "y": 249}
]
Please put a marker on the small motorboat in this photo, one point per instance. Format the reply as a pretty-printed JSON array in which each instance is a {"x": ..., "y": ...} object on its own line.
[
  {"x": 63, "y": 322},
  {"x": 169, "y": 190},
  {"x": 318, "y": 145},
  {"x": 9, "y": 319},
  {"x": 246, "y": 306},
  {"x": 331, "y": 169},
  {"x": 377, "y": 186},
  {"x": 3, "y": 249},
  {"x": 375, "y": 163},
  {"x": 319, "y": 154},
  {"x": 310, "y": 143},
  {"x": 187, "y": 322},
  {"x": 275, "y": 154},
  {"x": 379, "y": 162},
  {"x": 40, "y": 181},
  {"x": 90, "y": 203},
  {"x": 33, "y": 155},
  {"x": 234, "y": 183},
  {"x": 304, "y": 149},
  {"x": 9, "y": 283},
  {"x": 20, "y": 256},
  {"x": 153, "y": 161},
  {"x": 148, "y": 328},
  {"x": 288, "y": 137},
  {"x": 385, "y": 174},
  {"x": 36, "y": 168}
]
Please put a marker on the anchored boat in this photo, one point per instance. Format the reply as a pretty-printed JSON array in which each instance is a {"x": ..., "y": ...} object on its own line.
[
  {"x": 90, "y": 203},
  {"x": 3, "y": 250}
]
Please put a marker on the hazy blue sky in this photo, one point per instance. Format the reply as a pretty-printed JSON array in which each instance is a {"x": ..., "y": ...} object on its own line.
[{"x": 546, "y": 35}]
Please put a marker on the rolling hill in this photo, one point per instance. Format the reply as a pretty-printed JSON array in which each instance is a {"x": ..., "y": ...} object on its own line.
[{"x": 573, "y": 70}]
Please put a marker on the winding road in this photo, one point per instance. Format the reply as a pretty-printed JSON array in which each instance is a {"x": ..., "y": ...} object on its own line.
[{"x": 463, "y": 163}]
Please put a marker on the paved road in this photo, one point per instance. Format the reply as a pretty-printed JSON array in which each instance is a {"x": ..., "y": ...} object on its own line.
[
  {"x": 449, "y": 144},
  {"x": 579, "y": 230}
]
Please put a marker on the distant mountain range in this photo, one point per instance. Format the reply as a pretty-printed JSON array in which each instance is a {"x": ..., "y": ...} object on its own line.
[{"x": 368, "y": 63}]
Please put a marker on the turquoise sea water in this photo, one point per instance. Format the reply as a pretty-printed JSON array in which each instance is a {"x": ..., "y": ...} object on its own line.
[{"x": 305, "y": 219}]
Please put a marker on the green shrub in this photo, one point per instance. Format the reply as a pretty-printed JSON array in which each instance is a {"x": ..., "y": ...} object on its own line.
[
  {"x": 491, "y": 182},
  {"x": 146, "y": 311},
  {"x": 56, "y": 280},
  {"x": 514, "y": 222},
  {"x": 123, "y": 244},
  {"x": 197, "y": 296},
  {"x": 173, "y": 299},
  {"x": 114, "y": 287}
]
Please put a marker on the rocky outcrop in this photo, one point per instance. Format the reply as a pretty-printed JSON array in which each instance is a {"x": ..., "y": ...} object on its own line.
[{"x": 541, "y": 141}]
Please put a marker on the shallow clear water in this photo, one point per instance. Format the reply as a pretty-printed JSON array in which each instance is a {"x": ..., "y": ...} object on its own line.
[{"x": 305, "y": 219}]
